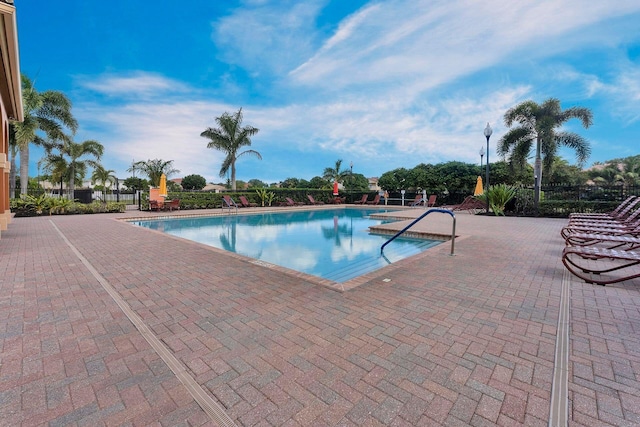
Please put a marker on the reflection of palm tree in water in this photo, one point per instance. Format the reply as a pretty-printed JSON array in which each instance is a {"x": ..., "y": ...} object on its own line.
[
  {"x": 336, "y": 231},
  {"x": 228, "y": 239}
]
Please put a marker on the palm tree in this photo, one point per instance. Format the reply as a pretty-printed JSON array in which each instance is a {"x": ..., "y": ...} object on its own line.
[
  {"x": 104, "y": 176},
  {"x": 57, "y": 168},
  {"x": 538, "y": 124},
  {"x": 154, "y": 169},
  {"x": 72, "y": 153},
  {"x": 229, "y": 138},
  {"x": 333, "y": 174},
  {"x": 49, "y": 112}
]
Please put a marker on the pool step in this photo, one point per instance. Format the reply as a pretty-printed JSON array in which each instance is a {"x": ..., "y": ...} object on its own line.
[{"x": 392, "y": 253}]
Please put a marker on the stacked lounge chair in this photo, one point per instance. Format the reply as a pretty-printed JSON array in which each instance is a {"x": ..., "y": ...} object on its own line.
[{"x": 598, "y": 244}]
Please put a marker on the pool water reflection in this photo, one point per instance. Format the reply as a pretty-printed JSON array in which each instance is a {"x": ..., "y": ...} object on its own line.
[{"x": 333, "y": 244}]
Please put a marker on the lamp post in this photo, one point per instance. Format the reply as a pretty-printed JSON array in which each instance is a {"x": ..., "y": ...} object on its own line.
[
  {"x": 481, "y": 156},
  {"x": 487, "y": 132}
]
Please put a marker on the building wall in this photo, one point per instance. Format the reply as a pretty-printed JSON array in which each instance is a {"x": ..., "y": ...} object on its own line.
[
  {"x": 10, "y": 99},
  {"x": 5, "y": 167}
]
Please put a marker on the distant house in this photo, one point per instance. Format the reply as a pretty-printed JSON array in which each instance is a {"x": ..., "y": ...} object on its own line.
[
  {"x": 214, "y": 188},
  {"x": 10, "y": 99},
  {"x": 373, "y": 184}
]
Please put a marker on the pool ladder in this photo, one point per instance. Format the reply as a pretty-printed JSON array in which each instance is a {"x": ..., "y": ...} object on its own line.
[{"x": 446, "y": 211}]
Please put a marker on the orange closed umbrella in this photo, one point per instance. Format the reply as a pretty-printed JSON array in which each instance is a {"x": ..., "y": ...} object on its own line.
[
  {"x": 163, "y": 185},
  {"x": 479, "y": 190},
  {"x": 335, "y": 188}
]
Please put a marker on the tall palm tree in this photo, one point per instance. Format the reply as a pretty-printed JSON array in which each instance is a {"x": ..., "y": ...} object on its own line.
[
  {"x": 333, "y": 174},
  {"x": 538, "y": 123},
  {"x": 105, "y": 176},
  {"x": 229, "y": 138},
  {"x": 49, "y": 112},
  {"x": 73, "y": 154},
  {"x": 154, "y": 169}
]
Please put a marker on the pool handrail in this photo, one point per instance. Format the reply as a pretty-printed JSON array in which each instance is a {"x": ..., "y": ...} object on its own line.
[{"x": 453, "y": 231}]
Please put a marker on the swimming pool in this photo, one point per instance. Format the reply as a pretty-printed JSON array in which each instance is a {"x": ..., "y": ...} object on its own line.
[{"x": 334, "y": 244}]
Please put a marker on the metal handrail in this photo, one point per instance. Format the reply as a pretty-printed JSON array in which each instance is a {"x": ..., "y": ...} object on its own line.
[
  {"x": 453, "y": 231},
  {"x": 224, "y": 202}
]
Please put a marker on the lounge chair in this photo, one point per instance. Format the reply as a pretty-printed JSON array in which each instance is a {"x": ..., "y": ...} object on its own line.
[
  {"x": 432, "y": 200},
  {"x": 589, "y": 263},
  {"x": 470, "y": 204},
  {"x": 418, "y": 201},
  {"x": 289, "y": 202},
  {"x": 247, "y": 204},
  {"x": 375, "y": 200},
  {"x": 621, "y": 215},
  {"x": 626, "y": 241},
  {"x": 361, "y": 201},
  {"x": 312, "y": 200},
  {"x": 601, "y": 227},
  {"x": 615, "y": 214},
  {"x": 630, "y": 230},
  {"x": 172, "y": 205}
]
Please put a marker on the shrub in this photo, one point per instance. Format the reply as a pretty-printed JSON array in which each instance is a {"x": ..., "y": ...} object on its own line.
[{"x": 499, "y": 196}]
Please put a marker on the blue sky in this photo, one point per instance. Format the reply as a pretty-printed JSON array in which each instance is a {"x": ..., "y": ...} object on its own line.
[{"x": 382, "y": 84}]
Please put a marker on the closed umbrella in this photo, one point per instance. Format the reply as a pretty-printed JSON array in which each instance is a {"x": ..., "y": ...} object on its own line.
[
  {"x": 479, "y": 190},
  {"x": 335, "y": 188},
  {"x": 163, "y": 185}
]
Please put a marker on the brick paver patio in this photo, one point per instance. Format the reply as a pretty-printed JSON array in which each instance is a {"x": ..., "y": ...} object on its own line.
[{"x": 456, "y": 340}]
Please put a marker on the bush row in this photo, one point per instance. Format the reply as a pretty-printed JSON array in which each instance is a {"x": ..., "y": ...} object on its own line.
[{"x": 45, "y": 205}]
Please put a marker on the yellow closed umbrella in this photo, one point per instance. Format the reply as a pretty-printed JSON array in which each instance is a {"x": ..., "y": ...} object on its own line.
[
  {"x": 163, "y": 185},
  {"x": 479, "y": 190}
]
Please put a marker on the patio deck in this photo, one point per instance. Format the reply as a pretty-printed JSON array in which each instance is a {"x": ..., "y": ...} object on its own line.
[{"x": 104, "y": 323}]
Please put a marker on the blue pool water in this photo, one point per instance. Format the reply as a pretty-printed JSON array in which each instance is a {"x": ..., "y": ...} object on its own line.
[{"x": 333, "y": 244}]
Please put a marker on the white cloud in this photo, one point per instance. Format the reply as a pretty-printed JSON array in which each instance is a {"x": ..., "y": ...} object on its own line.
[
  {"x": 267, "y": 36},
  {"x": 417, "y": 45},
  {"x": 135, "y": 84}
]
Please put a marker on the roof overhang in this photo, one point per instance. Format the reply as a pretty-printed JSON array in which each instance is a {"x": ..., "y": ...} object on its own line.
[{"x": 10, "y": 82}]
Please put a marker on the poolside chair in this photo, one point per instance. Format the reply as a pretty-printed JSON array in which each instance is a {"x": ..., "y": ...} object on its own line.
[
  {"x": 470, "y": 204},
  {"x": 621, "y": 215},
  {"x": 589, "y": 264},
  {"x": 289, "y": 202},
  {"x": 626, "y": 241},
  {"x": 172, "y": 204},
  {"x": 610, "y": 215},
  {"x": 432, "y": 200},
  {"x": 629, "y": 222},
  {"x": 418, "y": 200},
  {"x": 312, "y": 200},
  {"x": 361, "y": 201},
  {"x": 245, "y": 203},
  {"x": 375, "y": 200},
  {"x": 623, "y": 227}
]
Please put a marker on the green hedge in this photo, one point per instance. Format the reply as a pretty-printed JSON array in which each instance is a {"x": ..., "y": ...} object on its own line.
[
  {"x": 207, "y": 200},
  {"x": 45, "y": 205}
]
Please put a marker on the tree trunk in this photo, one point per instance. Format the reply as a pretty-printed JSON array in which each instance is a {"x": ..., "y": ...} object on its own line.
[
  {"x": 233, "y": 177},
  {"x": 24, "y": 169},
  {"x": 72, "y": 183},
  {"x": 537, "y": 175},
  {"x": 12, "y": 175}
]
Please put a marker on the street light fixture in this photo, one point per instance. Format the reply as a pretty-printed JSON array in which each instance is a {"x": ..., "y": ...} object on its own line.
[
  {"x": 481, "y": 156},
  {"x": 487, "y": 132}
]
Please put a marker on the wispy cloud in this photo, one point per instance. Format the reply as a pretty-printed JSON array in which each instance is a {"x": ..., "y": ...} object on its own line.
[
  {"x": 135, "y": 84},
  {"x": 422, "y": 44},
  {"x": 267, "y": 37}
]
